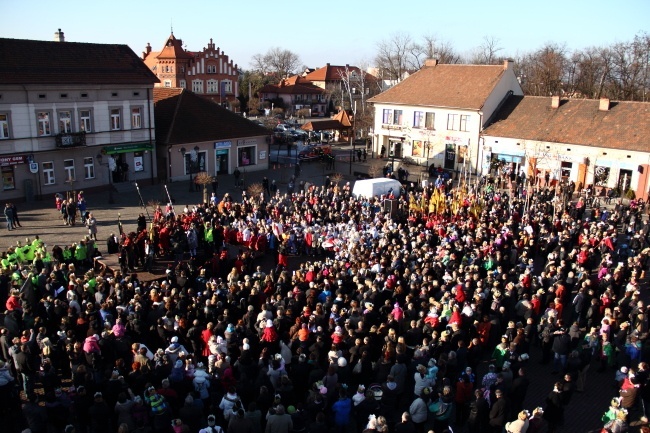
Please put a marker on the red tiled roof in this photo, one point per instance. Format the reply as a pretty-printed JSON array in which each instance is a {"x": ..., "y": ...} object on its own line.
[
  {"x": 333, "y": 73},
  {"x": 457, "y": 86},
  {"x": 173, "y": 49},
  {"x": 291, "y": 89},
  {"x": 184, "y": 117},
  {"x": 323, "y": 125},
  {"x": 43, "y": 62},
  {"x": 626, "y": 125}
]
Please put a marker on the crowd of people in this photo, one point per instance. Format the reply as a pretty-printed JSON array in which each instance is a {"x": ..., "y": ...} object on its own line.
[{"x": 421, "y": 318}]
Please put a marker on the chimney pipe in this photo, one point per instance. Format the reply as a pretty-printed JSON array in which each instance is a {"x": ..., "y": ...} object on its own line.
[
  {"x": 58, "y": 36},
  {"x": 604, "y": 104},
  {"x": 555, "y": 102}
]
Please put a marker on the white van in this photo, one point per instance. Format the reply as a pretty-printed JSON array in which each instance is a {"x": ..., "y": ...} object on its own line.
[{"x": 376, "y": 187}]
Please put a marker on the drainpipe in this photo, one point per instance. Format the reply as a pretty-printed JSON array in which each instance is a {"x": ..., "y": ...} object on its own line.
[
  {"x": 39, "y": 193},
  {"x": 151, "y": 144},
  {"x": 480, "y": 132}
]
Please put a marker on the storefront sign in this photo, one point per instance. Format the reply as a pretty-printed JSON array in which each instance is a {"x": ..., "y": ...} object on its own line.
[
  {"x": 249, "y": 142},
  {"x": 126, "y": 148},
  {"x": 221, "y": 152},
  {"x": 222, "y": 144},
  {"x": 12, "y": 160},
  {"x": 453, "y": 139}
]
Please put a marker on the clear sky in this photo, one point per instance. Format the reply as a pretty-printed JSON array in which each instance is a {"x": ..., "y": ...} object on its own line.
[{"x": 344, "y": 32}]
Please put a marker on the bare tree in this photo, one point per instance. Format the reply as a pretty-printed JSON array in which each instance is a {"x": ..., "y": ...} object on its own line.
[
  {"x": 489, "y": 50},
  {"x": 543, "y": 71},
  {"x": 587, "y": 72},
  {"x": 348, "y": 77},
  {"x": 394, "y": 56},
  {"x": 432, "y": 48},
  {"x": 277, "y": 61}
]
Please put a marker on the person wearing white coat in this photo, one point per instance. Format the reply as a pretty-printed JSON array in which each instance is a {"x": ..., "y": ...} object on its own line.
[
  {"x": 201, "y": 381},
  {"x": 228, "y": 402},
  {"x": 422, "y": 380}
]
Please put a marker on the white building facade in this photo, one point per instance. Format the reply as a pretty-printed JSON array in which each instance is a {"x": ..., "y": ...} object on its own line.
[
  {"x": 72, "y": 130},
  {"x": 600, "y": 143},
  {"x": 425, "y": 118}
]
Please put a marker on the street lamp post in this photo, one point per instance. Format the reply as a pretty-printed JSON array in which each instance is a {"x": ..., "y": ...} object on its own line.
[
  {"x": 194, "y": 162},
  {"x": 100, "y": 157}
]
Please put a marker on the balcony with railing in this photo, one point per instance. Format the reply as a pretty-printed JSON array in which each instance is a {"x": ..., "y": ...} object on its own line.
[{"x": 70, "y": 139}]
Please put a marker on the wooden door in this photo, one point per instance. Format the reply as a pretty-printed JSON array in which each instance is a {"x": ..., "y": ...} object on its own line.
[{"x": 582, "y": 176}]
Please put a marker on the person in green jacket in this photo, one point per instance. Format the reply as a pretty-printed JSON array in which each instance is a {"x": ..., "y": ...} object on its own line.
[
  {"x": 67, "y": 255},
  {"x": 80, "y": 254}
]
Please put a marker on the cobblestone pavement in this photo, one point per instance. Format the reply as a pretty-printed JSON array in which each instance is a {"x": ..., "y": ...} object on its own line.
[{"x": 41, "y": 218}]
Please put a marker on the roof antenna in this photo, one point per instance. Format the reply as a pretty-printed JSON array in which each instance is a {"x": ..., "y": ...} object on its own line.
[{"x": 171, "y": 24}]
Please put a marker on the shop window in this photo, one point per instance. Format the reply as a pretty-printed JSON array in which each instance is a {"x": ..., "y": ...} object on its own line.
[
  {"x": 194, "y": 166},
  {"x": 246, "y": 156},
  {"x": 601, "y": 176},
  {"x": 417, "y": 149},
  {"x": 8, "y": 180},
  {"x": 565, "y": 170}
]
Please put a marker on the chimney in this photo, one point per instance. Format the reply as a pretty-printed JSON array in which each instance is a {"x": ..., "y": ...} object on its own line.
[
  {"x": 555, "y": 102},
  {"x": 431, "y": 62},
  {"x": 148, "y": 48},
  {"x": 604, "y": 104},
  {"x": 58, "y": 36},
  {"x": 507, "y": 64}
]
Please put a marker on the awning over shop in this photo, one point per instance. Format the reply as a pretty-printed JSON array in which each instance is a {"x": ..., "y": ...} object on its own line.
[{"x": 126, "y": 148}]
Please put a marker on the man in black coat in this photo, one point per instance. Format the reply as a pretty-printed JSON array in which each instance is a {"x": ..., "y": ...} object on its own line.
[
  {"x": 561, "y": 346},
  {"x": 518, "y": 393},
  {"x": 25, "y": 367},
  {"x": 499, "y": 412},
  {"x": 479, "y": 414},
  {"x": 406, "y": 426}
]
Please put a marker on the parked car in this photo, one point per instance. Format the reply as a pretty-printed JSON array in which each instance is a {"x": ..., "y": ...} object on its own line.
[
  {"x": 298, "y": 134},
  {"x": 282, "y": 127},
  {"x": 316, "y": 136}
]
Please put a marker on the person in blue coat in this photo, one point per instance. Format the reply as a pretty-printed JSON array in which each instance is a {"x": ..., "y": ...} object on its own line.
[{"x": 342, "y": 410}]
